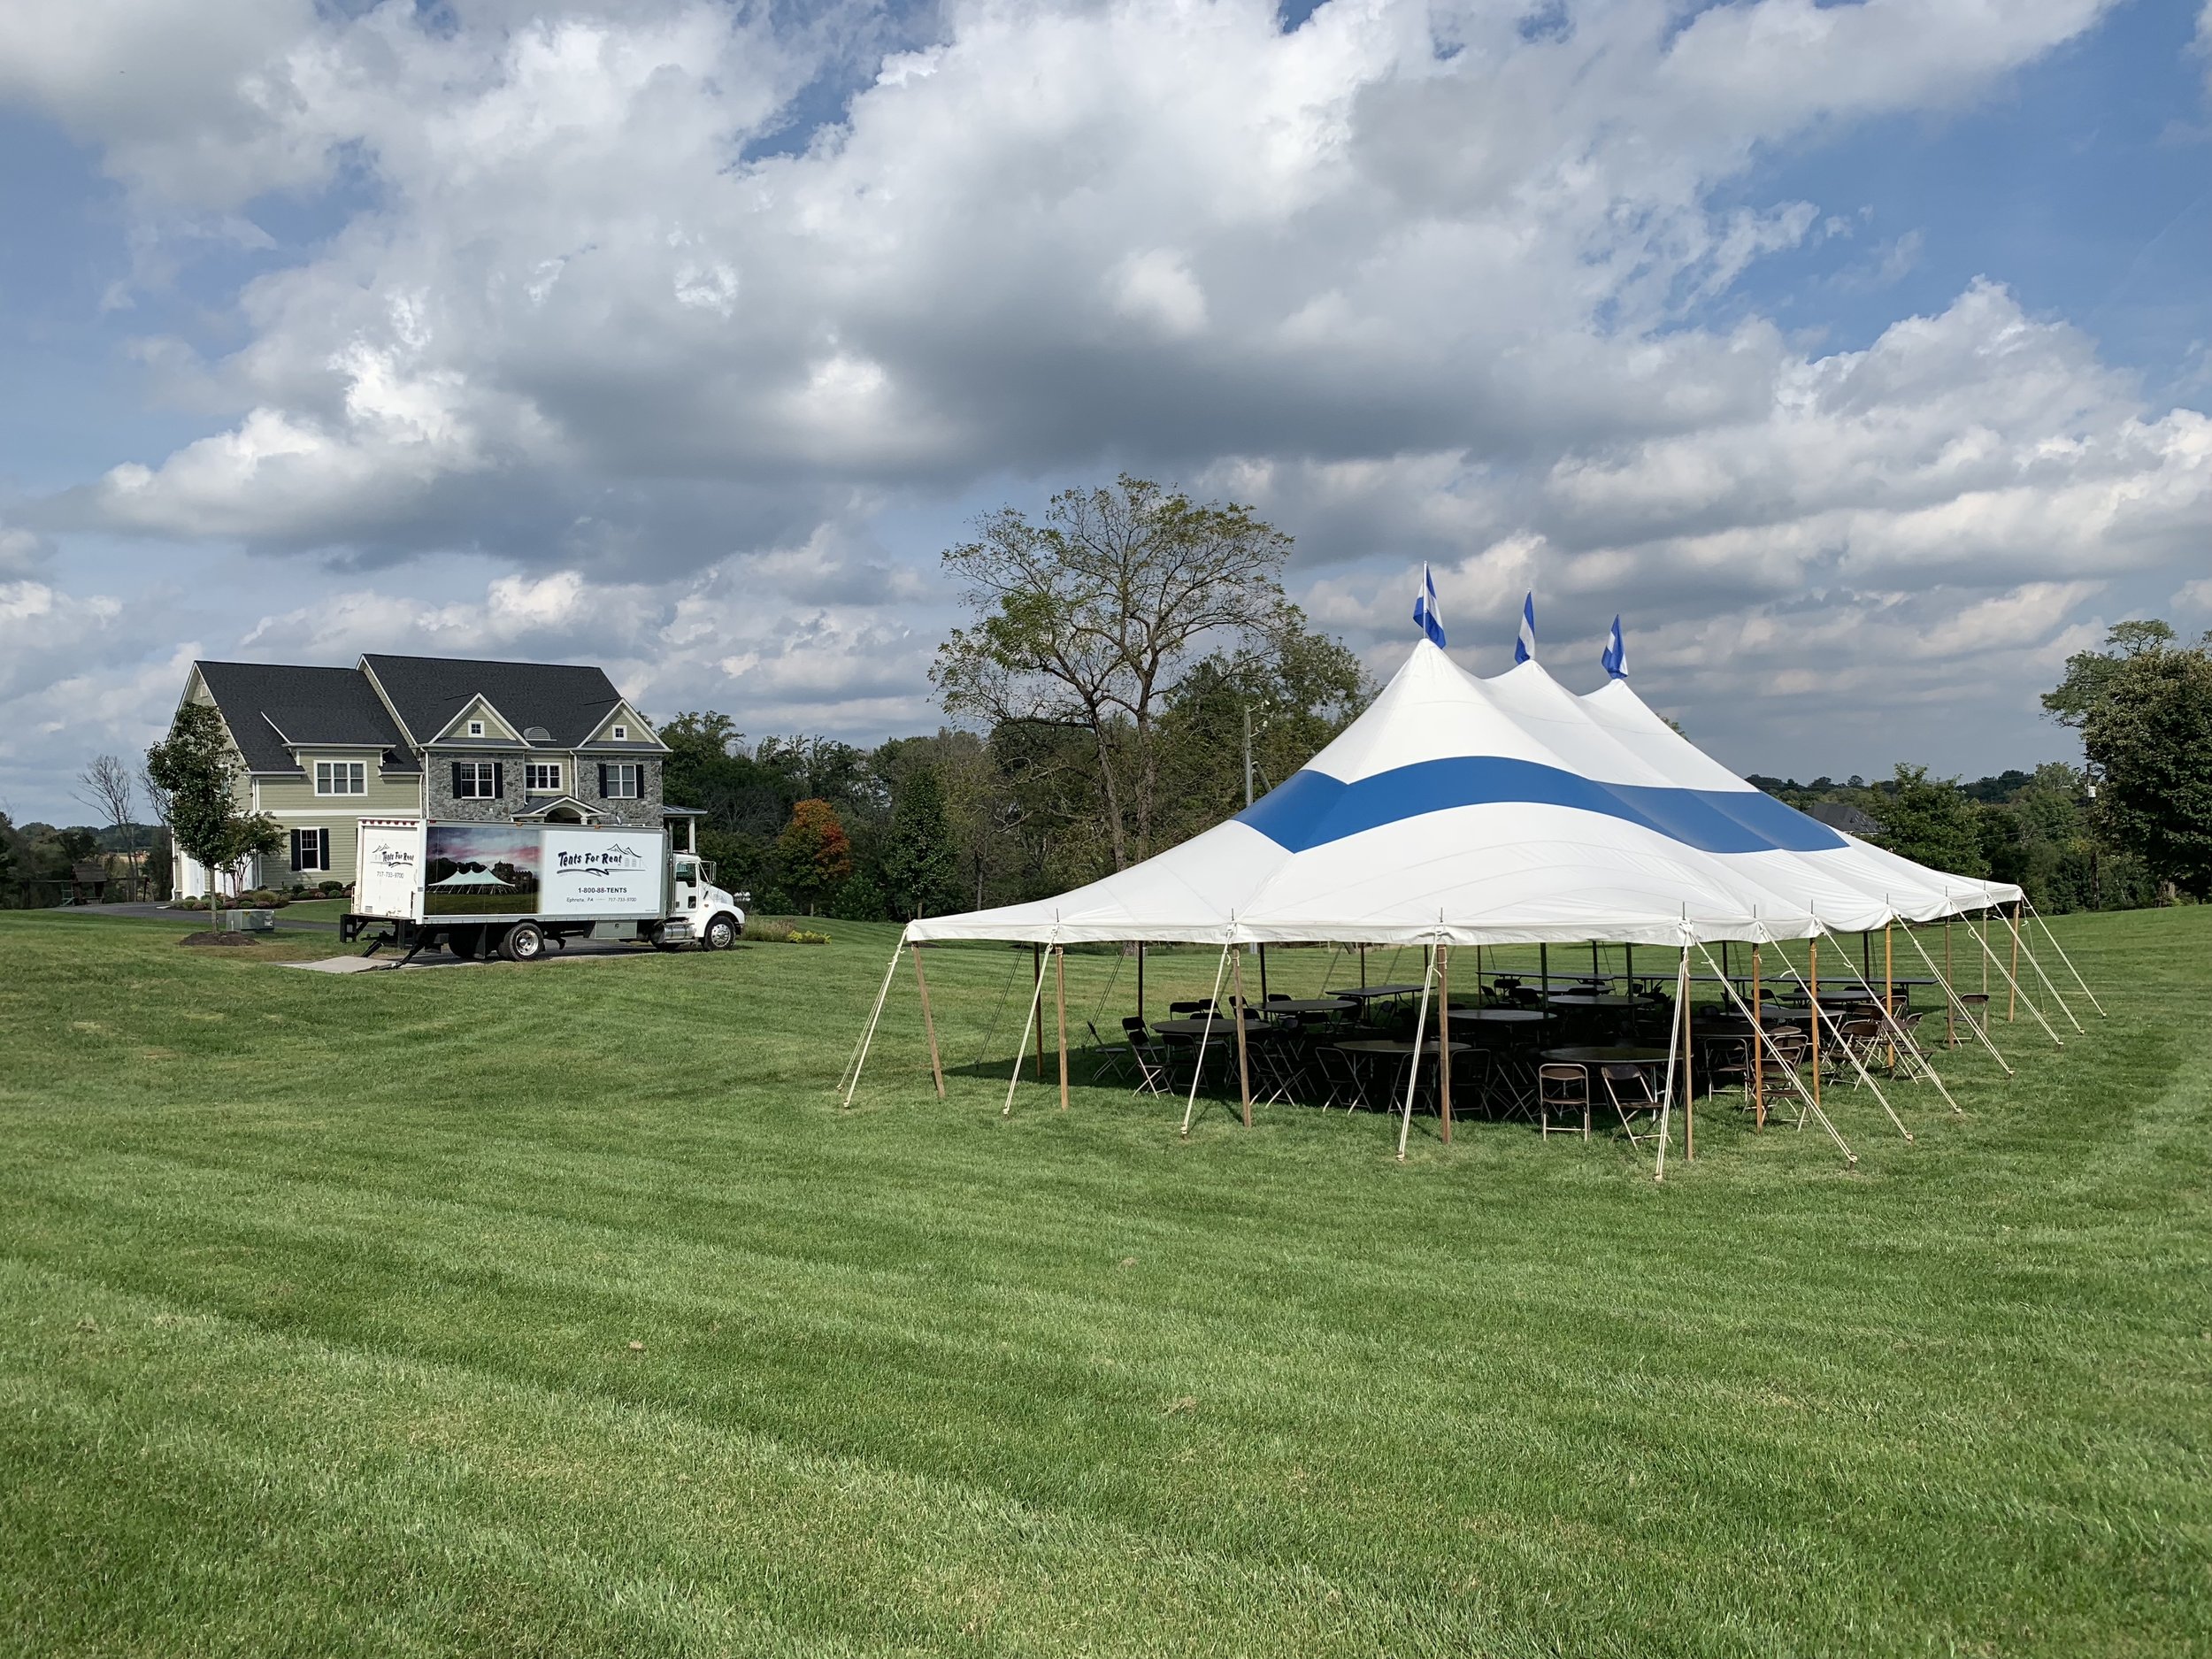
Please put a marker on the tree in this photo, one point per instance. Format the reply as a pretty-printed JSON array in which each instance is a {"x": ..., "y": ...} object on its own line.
[
  {"x": 1931, "y": 821},
  {"x": 2149, "y": 734},
  {"x": 1087, "y": 622},
  {"x": 195, "y": 767},
  {"x": 920, "y": 863},
  {"x": 107, "y": 787},
  {"x": 2091, "y": 675},
  {"x": 157, "y": 866},
  {"x": 814, "y": 855}
]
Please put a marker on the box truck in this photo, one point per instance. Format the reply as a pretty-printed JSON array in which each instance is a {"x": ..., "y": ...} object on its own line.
[{"x": 477, "y": 889}]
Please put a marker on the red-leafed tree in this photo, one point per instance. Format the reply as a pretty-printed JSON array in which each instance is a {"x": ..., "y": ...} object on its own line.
[{"x": 814, "y": 855}]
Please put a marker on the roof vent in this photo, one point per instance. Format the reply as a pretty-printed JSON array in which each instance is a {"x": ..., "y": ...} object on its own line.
[{"x": 536, "y": 734}]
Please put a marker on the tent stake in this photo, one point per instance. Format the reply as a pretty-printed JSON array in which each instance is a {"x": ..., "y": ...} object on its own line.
[
  {"x": 936, "y": 1066},
  {"x": 1204, "y": 1032},
  {"x": 1244, "y": 1069},
  {"x": 1060, "y": 996},
  {"x": 1443, "y": 1042}
]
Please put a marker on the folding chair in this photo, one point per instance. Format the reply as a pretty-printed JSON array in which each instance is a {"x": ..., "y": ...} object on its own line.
[
  {"x": 1564, "y": 1090},
  {"x": 1105, "y": 1061},
  {"x": 1628, "y": 1088},
  {"x": 1974, "y": 1009},
  {"x": 1156, "y": 1071}
]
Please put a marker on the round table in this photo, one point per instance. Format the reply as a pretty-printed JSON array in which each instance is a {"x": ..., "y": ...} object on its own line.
[
  {"x": 1224, "y": 1028},
  {"x": 1368, "y": 993},
  {"x": 1501, "y": 1015},
  {"x": 1591, "y": 999},
  {"x": 1393, "y": 1045},
  {"x": 1607, "y": 1055},
  {"x": 1303, "y": 1005}
]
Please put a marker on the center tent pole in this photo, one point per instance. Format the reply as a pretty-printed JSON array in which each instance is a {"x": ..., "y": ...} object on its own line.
[
  {"x": 929, "y": 1026},
  {"x": 1205, "y": 1031},
  {"x": 1060, "y": 996},
  {"x": 1244, "y": 1069},
  {"x": 1413, "y": 1060},
  {"x": 1443, "y": 1040},
  {"x": 1689, "y": 1047}
]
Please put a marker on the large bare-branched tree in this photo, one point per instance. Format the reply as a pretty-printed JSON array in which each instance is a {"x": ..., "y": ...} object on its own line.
[
  {"x": 1087, "y": 621},
  {"x": 107, "y": 787}
]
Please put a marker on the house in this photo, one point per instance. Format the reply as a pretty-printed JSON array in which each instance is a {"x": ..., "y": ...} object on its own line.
[
  {"x": 422, "y": 736},
  {"x": 1846, "y": 819}
]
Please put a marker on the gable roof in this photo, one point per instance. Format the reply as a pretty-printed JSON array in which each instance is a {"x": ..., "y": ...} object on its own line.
[
  {"x": 568, "y": 700},
  {"x": 268, "y": 705},
  {"x": 1841, "y": 815}
]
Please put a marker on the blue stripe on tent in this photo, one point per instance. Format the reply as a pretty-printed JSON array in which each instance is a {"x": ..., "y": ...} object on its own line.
[{"x": 1312, "y": 809}]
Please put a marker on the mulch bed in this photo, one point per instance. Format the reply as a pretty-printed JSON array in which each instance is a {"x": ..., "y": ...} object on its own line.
[{"x": 216, "y": 939}]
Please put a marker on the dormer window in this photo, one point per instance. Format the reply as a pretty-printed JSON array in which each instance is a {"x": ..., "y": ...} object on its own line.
[
  {"x": 621, "y": 733},
  {"x": 476, "y": 728}
]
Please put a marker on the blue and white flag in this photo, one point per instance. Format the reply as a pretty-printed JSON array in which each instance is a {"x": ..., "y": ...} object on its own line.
[
  {"x": 1615, "y": 658},
  {"x": 1524, "y": 648},
  {"x": 1425, "y": 610}
]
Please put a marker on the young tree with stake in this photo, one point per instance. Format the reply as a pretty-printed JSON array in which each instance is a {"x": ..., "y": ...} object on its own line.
[{"x": 196, "y": 769}]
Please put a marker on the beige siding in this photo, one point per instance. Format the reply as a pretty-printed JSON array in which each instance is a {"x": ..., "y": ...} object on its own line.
[{"x": 294, "y": 804}]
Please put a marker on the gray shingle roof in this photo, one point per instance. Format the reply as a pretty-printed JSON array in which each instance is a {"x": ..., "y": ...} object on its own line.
[
  {"x": 306, "y": 705},
  {"x": 1841, "y": 815},
  {"x": 568, "y": 700}
]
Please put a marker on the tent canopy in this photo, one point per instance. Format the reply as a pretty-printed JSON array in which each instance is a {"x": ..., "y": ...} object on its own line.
[{"x": 1458, "y": 811}]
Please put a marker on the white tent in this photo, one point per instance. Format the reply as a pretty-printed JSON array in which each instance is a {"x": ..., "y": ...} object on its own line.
[{"x": 1465, "y": 811}]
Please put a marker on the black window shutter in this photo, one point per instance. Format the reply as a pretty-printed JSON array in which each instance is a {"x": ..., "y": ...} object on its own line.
[
  {"x": 323, "y": 862},
  {"x": 457, "y": 779},
  {"x": 603, "y": 780},
  {"x": 499, "y": 780},
  {"x": 295, "y": 849}
]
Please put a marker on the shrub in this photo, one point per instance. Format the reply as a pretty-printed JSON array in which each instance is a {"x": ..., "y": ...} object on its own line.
[{"x": 776, "y": 930}]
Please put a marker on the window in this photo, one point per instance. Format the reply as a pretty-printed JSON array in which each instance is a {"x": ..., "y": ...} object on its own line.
[
  {"x": 311, "y": 849},
  {"x": 621, "y": 733},
  {"x": 478, "y": 781},
  {"x": 340, "y": 777},
  {"x": 542, "y": 777},
  {"x": 476, "y": 728},
  {"x": 621, "y": 782}
]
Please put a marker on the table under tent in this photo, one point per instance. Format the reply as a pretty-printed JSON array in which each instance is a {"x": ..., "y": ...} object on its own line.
[{"x": 1460, "y": 812}]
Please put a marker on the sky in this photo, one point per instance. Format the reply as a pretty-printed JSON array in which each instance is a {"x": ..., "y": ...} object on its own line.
[{"x": 1856, "y": 355}]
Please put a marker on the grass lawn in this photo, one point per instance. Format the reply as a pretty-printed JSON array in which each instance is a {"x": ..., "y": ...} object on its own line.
[{"x": 557, "y": 1310}]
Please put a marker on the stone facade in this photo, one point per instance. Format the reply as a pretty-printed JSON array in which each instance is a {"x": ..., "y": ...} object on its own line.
[{"x": 442, "y": 806}]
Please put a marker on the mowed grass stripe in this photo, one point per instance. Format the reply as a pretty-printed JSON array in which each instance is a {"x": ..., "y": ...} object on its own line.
[{"x": 1951, "y": 1399}]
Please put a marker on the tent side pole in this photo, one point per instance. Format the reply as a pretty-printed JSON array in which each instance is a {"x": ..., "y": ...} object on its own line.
[
  {"x": 1036, "y": 1004},
  {"x": 861, "y": 1058},
  {"x": 2034, "y": 962},
  {"x": 1413, "y": 1060},
  {"x": 1865, "y": 1075},
  {"x": 1244, "y": 1067},
  {"x": 1897, "y": 1034},
  {"x": 1444, "y": 1042},
  {"x": 1978, "y": 1028},
  {"x": 1889, "y": 991},
  {"x": 1263, "y": 953},
  {"x": 1060, "y": 996},
  {"x": 1758, "y": 1026},
  {"x": 936, "y": 1066},
  {"x": 2069, "y": 961},
  {"x": 1950, "y": 1017},
  {"x": 1204, "y": 1032}
]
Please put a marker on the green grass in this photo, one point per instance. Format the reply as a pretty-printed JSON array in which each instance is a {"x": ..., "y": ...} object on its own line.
[{"x": 319, "y": 1297}]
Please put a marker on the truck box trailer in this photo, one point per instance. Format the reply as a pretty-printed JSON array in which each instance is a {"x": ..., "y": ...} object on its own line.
[{"x": 477, "y": 889}]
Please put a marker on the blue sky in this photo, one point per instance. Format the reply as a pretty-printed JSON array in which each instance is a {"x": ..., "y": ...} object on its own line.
[{"x": 1856, "y": 355}]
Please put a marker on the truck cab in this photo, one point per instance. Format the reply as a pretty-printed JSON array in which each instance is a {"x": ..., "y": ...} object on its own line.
[{"x": 697, "y": 909}]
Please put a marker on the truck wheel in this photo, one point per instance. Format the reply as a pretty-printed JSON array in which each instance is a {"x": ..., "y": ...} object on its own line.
[
  {"x": 524, "y": 942},
  {"x": 465, "y": 942},
  {"x": 721, "y": 932}
]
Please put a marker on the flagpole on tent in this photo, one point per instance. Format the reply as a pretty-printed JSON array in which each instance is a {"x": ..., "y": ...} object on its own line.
[
  {"x": 1204, "y": 1032},
  {"x": 1676, "y": 1039},
  {"x": 868, "y": 1036},
  {"x": 1244, "y": 1069},
  {"x": 1897, "y": 1034},
  {"x": 1953, "y": 1005},
  {"x": 1036, "y": 1005},
  {"x": 1443, "y": 1040},
  {"x": 936, "y": 1066},
  {"x": 1865, "y": 1075},
  {"x": 1990, "y": 951},
  {"x": 1413, "y": 1060},
  {"x": 1766, "y": 1043},
  {"x": 2068, "y": 960},
  {"x": 1060, "y": 997},
  {"x": 2033, "y": 961}
]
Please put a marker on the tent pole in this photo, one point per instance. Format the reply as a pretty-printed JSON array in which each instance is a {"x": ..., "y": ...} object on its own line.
[
  {"x": 1674, "y": 1035},
  {"x": 2012, "y": 998},
  {"x": 1889, "y": 990},
  {"x": 1413, "y": 1060},
  {"x": 1363, "y": 967},
  {"x": 1950, "y": 1018},
  {"x": 1628, "y": 966},
  {"x": 1977, "y": 1028},
  {"x": 1037, "y": 968},
  {"x": 1443, "y": 1040},
  {"x": 1263, "y": 976},
  {"x": 1204, "y": 1032},
  {"x": 1897, "y": 1034},
  {"x": 1766, "y": 1044},
  {"x": 1543, "y": 973},
  {"x": 1758, "y": 1028},
  {"x": 1812, "y": 958},
  {"x": 1865, "y": 1076},
  {"x": 861, "y": 1058},
  {"x": 1244, "y": 1069},
  {"x": 1689, "y": 1079},
  {"x": 1989, "y": 951},
  {"x": 2069, "y": 961},
  {"x": 1036, "y": 1003},
  {"x": 2049, "y": 989},
  {"x": 1141, "y": 978},
  {"x": 1060, "y": 996},
  {"x": 936, "y": 1066}
]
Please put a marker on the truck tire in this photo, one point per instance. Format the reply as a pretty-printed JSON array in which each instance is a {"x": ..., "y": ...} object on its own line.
[
  {"x": 465, "y": 942},
  {"x": 721, "y": 933},
  {"x": 525, "y": 942}
]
